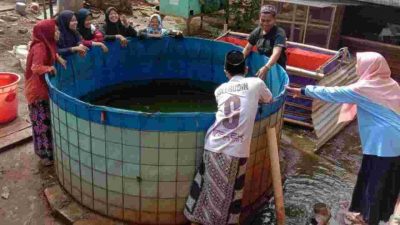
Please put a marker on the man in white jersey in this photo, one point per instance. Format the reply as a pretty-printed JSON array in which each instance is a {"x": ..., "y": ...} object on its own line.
[{"x": 216, "y": 192}]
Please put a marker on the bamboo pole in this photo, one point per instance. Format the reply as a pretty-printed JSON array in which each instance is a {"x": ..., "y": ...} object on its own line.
[{"x": 276, "y": 175}]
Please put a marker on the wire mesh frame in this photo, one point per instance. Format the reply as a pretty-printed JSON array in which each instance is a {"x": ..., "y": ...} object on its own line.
[
  {"x": 68, "y": 183},
  {"x": 66, "y": 160},
  {"x": 258, "y": 198},
  {"x": 62, "y": 108}
]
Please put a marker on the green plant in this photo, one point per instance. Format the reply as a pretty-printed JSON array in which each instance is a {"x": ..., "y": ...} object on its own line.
[{"x": 242, "y": 14}]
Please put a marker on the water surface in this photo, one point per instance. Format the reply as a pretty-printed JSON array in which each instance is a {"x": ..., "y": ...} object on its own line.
[
  {"x": 157, "y": 96},
  {"x": 327, "y": 177}
]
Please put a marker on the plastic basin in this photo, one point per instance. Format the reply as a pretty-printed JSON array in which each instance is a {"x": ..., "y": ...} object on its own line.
[{"x": 8, "y": 96}]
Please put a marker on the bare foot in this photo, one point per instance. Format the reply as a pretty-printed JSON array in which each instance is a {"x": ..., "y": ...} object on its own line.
[
  {"x": 353, "y": 218},
  {"x": 46, "y": 162}
]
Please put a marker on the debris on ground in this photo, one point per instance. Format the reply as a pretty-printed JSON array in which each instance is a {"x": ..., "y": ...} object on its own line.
[
  {"x": 20, "y": 8},
  {"x": 5, "y": 192},
  {"x": 9, "y": 18},
  {"x": 34, "y": 7},
  {"x": 20, "y": 52},
  {"x": 23, "y": 30}
]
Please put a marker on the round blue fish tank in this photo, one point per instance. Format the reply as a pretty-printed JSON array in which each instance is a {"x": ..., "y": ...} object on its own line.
[{"x": 138, "y": 166}]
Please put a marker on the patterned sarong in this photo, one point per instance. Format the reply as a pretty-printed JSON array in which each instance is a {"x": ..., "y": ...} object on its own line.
[
  {"x": 39, "y": 112},
  {"x": 217, "y": 190}
]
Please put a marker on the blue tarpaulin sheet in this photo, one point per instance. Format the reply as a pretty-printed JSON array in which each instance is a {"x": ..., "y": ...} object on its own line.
[{"x": 145, "y": 60}]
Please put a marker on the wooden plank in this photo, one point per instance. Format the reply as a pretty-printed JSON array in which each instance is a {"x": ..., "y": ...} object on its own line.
[
  {"x": 15, "y": 139},
  {"x": 13, "y": 127},
  {"x": 328, "y": 38},
  {"x": 304, "y": 73},
  {"x": 335, "y": 37},
  {"x": 298, "y": 106},
  {"x": 308, "y": 125}
]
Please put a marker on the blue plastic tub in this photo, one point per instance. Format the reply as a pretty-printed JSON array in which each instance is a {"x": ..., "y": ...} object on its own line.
[{"x": 138, "y": 166}]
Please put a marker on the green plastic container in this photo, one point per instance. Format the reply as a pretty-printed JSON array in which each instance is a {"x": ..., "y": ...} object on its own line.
[{"x": 181, "y": 8}]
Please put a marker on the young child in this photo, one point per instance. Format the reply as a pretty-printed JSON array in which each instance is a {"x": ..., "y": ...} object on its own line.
[
  {"x": 155, "y": 29},
  {"x": 90, "y": 35},
  {"x": 216, "y": 192},
  {"x": 116, "y": 27},
  {"x": 70, "y": 41},
  {"x": 42, "y": 55},
  {"x": 321, "y": 216},
  {"x": 375, "y": 99}
]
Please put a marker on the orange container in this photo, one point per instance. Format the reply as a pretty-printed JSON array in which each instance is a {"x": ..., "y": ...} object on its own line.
[{"x": 8, "y": 96}]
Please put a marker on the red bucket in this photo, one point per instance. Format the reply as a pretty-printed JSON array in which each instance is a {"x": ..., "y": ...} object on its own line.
[{"x": 8, "y": 96}]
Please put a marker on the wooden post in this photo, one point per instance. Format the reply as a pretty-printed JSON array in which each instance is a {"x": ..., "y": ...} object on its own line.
[
  {"x": 306, "y": 24},
  {"x": 332, "y": 23},
  {"x": 225, "y": 28},
  {"x": 276, "y": 175},
  {"x": 188, "y": 20},
  {"x": 227, "y": 14},
  {"x": 51, "y": 8},
  {"x": 44, "y": 9},
  {"x": 292, "y": 26}
]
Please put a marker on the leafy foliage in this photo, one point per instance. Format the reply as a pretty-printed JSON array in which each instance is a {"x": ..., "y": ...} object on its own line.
[{"x": 243, "y": 14}]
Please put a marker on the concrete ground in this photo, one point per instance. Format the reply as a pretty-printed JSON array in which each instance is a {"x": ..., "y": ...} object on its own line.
[{"x": 25, "y": 181}]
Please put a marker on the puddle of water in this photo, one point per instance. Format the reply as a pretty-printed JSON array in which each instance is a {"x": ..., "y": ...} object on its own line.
[{"x": 327, "y": 177}]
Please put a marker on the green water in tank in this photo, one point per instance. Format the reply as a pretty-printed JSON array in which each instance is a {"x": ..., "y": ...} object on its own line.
[{"x": 169, "y": 95}]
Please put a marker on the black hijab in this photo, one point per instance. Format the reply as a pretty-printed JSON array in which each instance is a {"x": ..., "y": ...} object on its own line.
[
  {"x": 68, "y": 37},
  {"x": 86, "y": 33},
  {"x": 111, "y": 28}
]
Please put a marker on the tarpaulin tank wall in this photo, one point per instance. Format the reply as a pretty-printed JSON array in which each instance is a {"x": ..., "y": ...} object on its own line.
[{"x": 138, "y": 166}]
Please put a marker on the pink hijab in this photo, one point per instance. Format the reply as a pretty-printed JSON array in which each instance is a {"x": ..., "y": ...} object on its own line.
[{"x": 375, "y": 84}]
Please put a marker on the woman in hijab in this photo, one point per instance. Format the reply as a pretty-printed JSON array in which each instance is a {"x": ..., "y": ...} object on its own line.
[
  {"x": 155, "y": 29},
  {"x": 70, "y": 41},
  {"x": 375, "y": 99},
  {"x": 90, "y": 35},
  {"x": 42, "y": 55},
  {"x": 116, "y": 27}
]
